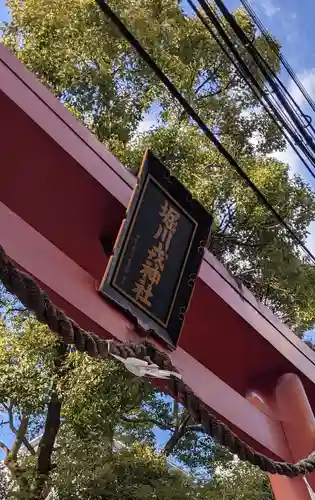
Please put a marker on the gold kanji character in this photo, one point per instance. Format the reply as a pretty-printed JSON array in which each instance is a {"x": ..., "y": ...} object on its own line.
[
  {"x": 165, "y": 235},
  {"x": 170, "y": 217},
  {"x": 169, "y": 224},
  {"x": 143, "y": 293},
  {"x": 151, "y": 272},
  {"x": 157, "y": 255}
]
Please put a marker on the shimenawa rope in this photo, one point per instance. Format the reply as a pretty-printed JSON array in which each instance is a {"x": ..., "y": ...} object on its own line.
[{"x": 25, "y": 288}]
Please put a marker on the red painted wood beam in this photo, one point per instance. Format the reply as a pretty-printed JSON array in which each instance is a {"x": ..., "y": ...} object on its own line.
[
  {"x": 74, "y": 290},
  {"x": 22, "y": 88}
]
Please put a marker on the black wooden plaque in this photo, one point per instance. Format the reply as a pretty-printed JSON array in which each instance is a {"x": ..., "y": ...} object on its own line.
[{"x": 158, "y": 252}]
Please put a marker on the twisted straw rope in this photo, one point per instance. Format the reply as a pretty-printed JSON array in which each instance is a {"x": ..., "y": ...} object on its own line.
[{"x": 25, "y": 288}]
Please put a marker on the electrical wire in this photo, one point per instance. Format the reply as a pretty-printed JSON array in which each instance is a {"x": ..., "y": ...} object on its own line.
[
  {"x": 297, "y": 139},
  {"x": 241, "y": 67},
  {"x": 110, "y": 14},
  {"x": 263, "y": 66},
  {"x": 265, "y": 34},
  {"x": 285, "y": 63},
  {"x": 308, "y": 120},
  {"x": 273, "y": 80}
]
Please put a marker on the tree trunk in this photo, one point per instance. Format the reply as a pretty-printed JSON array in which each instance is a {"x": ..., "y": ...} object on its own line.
[
  {"x": 52, "y": 425},
  {"x": 176, "y": 436}
]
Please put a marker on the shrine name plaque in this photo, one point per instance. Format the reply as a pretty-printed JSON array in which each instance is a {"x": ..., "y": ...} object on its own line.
[{"x": 158, "y": 252}]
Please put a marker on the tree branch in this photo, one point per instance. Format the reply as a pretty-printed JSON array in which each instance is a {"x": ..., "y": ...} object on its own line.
[
  {"x": 221, "y": 89},
  {"x": 212, "y": 76},
  {"x": 228, "y": 217},
  {"x": 140, "y": 421},
  {"x": 29, "y": 447},
  {"x": 10, "y": 414},
  {"x": 210, "y": 94},
  {"x": 13, "y": 429},
  {"x": 11, "y": 310},
  {"x": 20, "y": 435},
  {"x": 177, "y": 435},
  {"x": 46, "y": 445},
  {"x": 4, "y": 447},
  {"x": 237, "y": 242},
  {"x": 176, "y": 413},
  {"x": 249, "y": 270},
  {"x": 196, "y": 428},
  {"x": 207, "y": 80},
  {"x": 52, "y": 425}
]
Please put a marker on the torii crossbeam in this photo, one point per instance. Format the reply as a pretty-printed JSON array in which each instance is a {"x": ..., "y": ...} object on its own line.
[{"x": 61, "y": 194}]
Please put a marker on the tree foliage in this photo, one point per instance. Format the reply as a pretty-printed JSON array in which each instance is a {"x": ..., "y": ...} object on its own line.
[
  {"x": 81, "y": 406},
  {"x": 101, "y": 433},
  {"x": 238, "y": 481},
  {"x": 80, "y": 56},
  {"x": 137, "y": 473}
]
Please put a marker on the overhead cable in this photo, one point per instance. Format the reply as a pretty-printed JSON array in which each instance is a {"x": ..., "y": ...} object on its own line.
[
  {"x": 263, "y": 67},
  {"x": 110, "y": 14},
  {"x": 285, "y": 63},
  {"x": 274, "y": 111}
]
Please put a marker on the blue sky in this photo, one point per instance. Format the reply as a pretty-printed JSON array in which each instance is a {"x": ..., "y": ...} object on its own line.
[{"x": 3, "y": 11}]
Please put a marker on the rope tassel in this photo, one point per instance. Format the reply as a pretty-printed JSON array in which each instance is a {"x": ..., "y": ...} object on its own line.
[{"x": 25, "y": 288}]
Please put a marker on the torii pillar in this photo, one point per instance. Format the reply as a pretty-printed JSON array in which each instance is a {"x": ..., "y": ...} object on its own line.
[{"x": 288, "y": 404}]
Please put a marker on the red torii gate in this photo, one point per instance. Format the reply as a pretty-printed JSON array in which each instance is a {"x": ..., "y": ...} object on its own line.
[{"x": 61, "y": 193}]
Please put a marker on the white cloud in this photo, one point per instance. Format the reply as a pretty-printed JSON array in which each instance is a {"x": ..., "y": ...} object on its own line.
[
  {"x": 268, "y": 6},
  {"x": 308, "y": 81},
  {"x": 146, "y": 124},
  {"x": 289, "y": 156},
  {"x": 310, "y": 242},
  {"x": 289, "y": 27},
  {"x": 150, "y": 119}
]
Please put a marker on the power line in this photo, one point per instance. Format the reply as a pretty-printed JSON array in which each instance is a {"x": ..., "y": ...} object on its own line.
[
  {"x": 275, "y": 111},
  {"x": 285, "y": 63},
  {"x": 278, "y": 112},
  {"x": 262, "y": 64},
  {"x": 194, "y": 115},
  {"x": 308, "y": 120},
  {"x": 268, "y": 38},
  {"x": 266, "y": 71}
]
